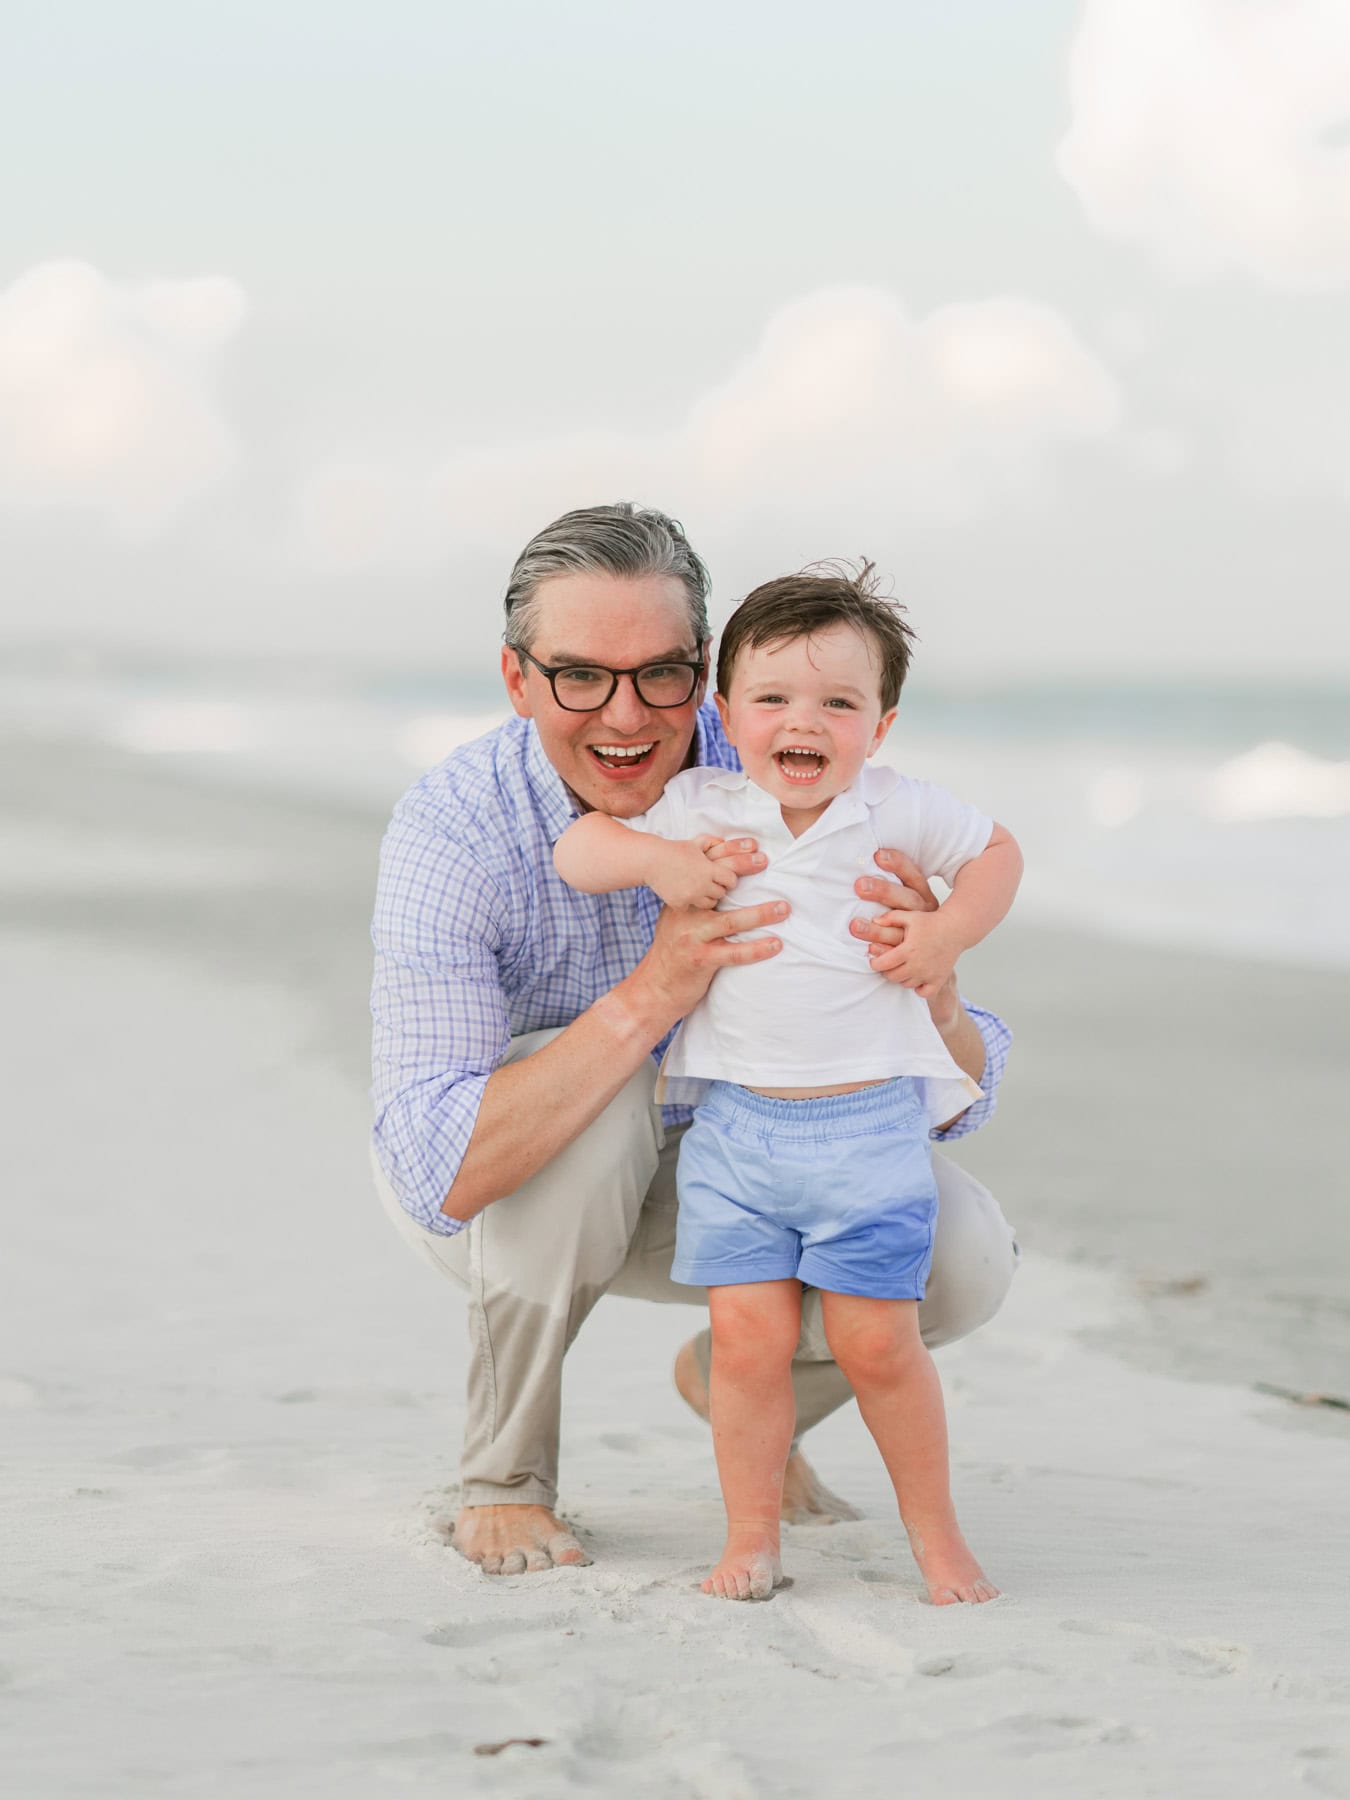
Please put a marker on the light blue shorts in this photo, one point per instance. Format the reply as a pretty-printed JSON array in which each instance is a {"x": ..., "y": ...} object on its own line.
[{"x": 838, "y": 1192}]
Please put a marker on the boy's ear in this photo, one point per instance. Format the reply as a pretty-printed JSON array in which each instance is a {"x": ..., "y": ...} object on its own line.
[
  {"x": 725, "y": 717},
  {"x": 884, "y": 724}
]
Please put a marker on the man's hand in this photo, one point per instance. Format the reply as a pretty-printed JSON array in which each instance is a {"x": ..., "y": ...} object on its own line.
[
  {"x": 688, "y": 948},
  {"x": 908, "y": 899},
  {"x": 697, "y": 872}
]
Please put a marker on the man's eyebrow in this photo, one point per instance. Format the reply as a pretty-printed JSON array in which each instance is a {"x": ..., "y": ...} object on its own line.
[{"x": 566, "y": 657}]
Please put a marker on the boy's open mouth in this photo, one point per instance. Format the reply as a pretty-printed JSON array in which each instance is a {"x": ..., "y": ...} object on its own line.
[
  {"x": 621, "y": 756},
  {"x": 800, "y": 765}
]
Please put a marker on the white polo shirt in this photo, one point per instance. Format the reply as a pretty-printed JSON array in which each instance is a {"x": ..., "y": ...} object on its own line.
[{"x": 817, "y": 1013}]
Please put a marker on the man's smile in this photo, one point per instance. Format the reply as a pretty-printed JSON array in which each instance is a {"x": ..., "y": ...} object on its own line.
[{"x": 624, "y": 757}]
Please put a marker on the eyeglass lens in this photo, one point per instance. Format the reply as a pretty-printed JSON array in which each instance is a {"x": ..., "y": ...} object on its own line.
[{"x": 660, "y": 684}]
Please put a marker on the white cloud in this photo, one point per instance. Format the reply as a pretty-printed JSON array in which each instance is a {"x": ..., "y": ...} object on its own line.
[
  {"x": 107, "y": 392},
  {"x": 848, "y": 412},
  {"x": 1212, "y": 133}
]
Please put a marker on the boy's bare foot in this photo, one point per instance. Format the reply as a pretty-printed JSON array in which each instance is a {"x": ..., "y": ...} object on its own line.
[
  {"x": 948, "y": 1566},
  {"x": 515, "y": 1540},
  {"x": 749, "y": 1569},
  {"x": 806, "y": 1500}
]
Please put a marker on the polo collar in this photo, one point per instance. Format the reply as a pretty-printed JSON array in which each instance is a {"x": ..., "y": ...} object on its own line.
[{"x": 873, "y": 784}]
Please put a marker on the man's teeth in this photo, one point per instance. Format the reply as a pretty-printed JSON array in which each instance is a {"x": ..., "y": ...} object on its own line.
[{"x": 625, "y": 752}]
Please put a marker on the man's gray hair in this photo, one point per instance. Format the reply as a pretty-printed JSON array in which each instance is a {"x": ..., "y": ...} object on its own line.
[{"x": 623, "y": 540}]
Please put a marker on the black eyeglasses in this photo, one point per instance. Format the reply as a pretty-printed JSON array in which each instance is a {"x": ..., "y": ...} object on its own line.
[{"x": 586, "y": 687}]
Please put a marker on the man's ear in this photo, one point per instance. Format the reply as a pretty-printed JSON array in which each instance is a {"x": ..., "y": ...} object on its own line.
[
  {"x": 513, "y": 675},
  {"x": 884, "y": 724},
  {"x": 700, "y": 692}
]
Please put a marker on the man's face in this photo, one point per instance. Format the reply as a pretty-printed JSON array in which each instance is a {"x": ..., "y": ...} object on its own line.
[{"x": 620, "y": 623}]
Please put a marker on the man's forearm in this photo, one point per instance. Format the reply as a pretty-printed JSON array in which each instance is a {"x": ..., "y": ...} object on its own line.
[{"x": 534, "y": 1108}]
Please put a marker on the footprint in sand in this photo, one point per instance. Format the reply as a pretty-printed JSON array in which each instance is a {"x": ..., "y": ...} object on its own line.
[
  {"x": 474, "y": 1636},
  {"x": 1325, "y": 1769},
  {"x": 967, "y": 1665},
  {"x": 627, "y": 1442},
  {"x": 1034, "y": 1734},
  {"x": 1205, "y": 1657}
]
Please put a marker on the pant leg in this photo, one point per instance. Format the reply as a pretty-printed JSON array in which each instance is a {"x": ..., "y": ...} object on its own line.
[
  {"x": 974, "y": 1259},
  {"x": 534, "y": 1263}
]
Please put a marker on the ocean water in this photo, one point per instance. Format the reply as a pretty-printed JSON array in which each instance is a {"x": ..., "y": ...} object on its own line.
[{"x": 1199, "y": 818}]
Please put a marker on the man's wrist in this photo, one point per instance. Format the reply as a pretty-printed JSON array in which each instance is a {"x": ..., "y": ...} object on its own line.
[{"x": 633, "y": 1015}]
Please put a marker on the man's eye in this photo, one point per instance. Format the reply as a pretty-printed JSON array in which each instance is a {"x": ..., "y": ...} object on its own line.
[
  {"x": 581, "y": 676},
  {"x": 662, "y": 672}
]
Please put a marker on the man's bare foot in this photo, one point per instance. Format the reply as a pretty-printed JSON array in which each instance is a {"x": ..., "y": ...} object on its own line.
[
  {"x": 749, "y": 1569},
  {"x": 515, "y": 1540},
  {"x": 806, "y": 1500},
  {"x": 948, "y": 1566}
]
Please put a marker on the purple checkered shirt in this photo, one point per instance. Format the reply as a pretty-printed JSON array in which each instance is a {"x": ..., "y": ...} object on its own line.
[{"x": 479, "y": 940}]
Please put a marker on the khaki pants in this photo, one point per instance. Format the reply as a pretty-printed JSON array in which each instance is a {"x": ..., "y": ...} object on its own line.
[{"x": 600, "y": 1218}]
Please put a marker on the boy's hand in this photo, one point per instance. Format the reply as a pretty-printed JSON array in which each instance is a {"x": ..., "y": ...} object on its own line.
[
  {"x": 697, "y": 872},
  {"x": 925, "y": 956}
]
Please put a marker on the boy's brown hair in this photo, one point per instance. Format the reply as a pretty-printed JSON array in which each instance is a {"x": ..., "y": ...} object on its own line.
[{"x": 824, "y": 594}]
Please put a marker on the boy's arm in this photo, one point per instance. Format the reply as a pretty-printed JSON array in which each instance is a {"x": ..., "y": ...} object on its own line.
[
  {"x": 598, "y": 855},
  {"x": 982, "y": 892}
]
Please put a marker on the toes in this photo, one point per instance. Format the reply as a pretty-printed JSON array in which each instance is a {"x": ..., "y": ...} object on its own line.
[
  {"x": 536, "y": 1560},
  {"x": 566, "y": 1551},
  {"x": 944, "y": 1597},
  {"x": 760, "y": 1577},
  {"x": 513, "y": 1563},
  {"x": 491, "y": 1565}
]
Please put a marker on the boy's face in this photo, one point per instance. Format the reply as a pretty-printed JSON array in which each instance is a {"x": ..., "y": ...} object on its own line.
[{"x": 805, "y": 715}]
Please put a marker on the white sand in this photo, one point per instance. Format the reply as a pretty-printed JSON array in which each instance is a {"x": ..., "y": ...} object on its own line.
[{"x": 231, "y": 1403}]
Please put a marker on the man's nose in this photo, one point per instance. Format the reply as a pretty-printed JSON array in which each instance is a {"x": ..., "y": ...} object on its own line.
[{"x": 624, "y": 709}]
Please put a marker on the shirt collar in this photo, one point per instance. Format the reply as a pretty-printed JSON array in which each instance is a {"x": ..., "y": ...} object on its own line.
[
  {"x": 874, "y": 783},
  {"x": 556, "y": 805}
]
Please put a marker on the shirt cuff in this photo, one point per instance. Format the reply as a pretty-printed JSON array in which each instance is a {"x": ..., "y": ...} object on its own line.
[{"x": 997, "y": 1041}]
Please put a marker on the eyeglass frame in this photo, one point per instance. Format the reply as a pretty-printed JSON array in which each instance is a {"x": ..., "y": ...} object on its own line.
[{"x": 667, "y": 662}]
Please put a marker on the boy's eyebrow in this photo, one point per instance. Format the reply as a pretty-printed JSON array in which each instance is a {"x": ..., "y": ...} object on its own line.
[{"x": 767, "y": 682}]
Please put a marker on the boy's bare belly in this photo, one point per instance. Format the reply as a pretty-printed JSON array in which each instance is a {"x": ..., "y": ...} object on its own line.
[{"x": 815, "y": 1093}]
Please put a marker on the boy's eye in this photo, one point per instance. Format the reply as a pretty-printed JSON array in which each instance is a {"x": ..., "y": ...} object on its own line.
[{"x": 844, "y": 703}]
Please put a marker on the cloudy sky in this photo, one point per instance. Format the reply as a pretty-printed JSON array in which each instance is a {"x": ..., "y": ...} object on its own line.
[{"x": 310, "y": 315}]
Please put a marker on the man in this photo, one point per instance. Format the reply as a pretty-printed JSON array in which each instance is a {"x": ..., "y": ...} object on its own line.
[{"x": 516, "y": 1144}]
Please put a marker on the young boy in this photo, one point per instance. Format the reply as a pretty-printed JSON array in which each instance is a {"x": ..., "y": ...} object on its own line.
[{"x": 819, "y": 1073}]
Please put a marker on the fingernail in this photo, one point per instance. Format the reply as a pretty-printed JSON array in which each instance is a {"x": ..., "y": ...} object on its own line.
[{"x": 867, "y": 885}]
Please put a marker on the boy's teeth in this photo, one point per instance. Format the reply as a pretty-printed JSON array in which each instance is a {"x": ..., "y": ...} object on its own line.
[{"x": 805, "y": 762}]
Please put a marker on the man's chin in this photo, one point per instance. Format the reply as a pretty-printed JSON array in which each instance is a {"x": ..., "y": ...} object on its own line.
[{"x": 621, "y": 799}]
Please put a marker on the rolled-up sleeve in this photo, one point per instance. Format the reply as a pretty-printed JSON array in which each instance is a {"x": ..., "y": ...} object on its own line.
[
  {"x": 997, "y": 1042},
  {"x": 440, "y": 1022}
]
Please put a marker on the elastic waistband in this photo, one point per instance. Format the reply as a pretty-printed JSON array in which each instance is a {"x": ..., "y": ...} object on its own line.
[{"x": 890, "y": 1106}]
